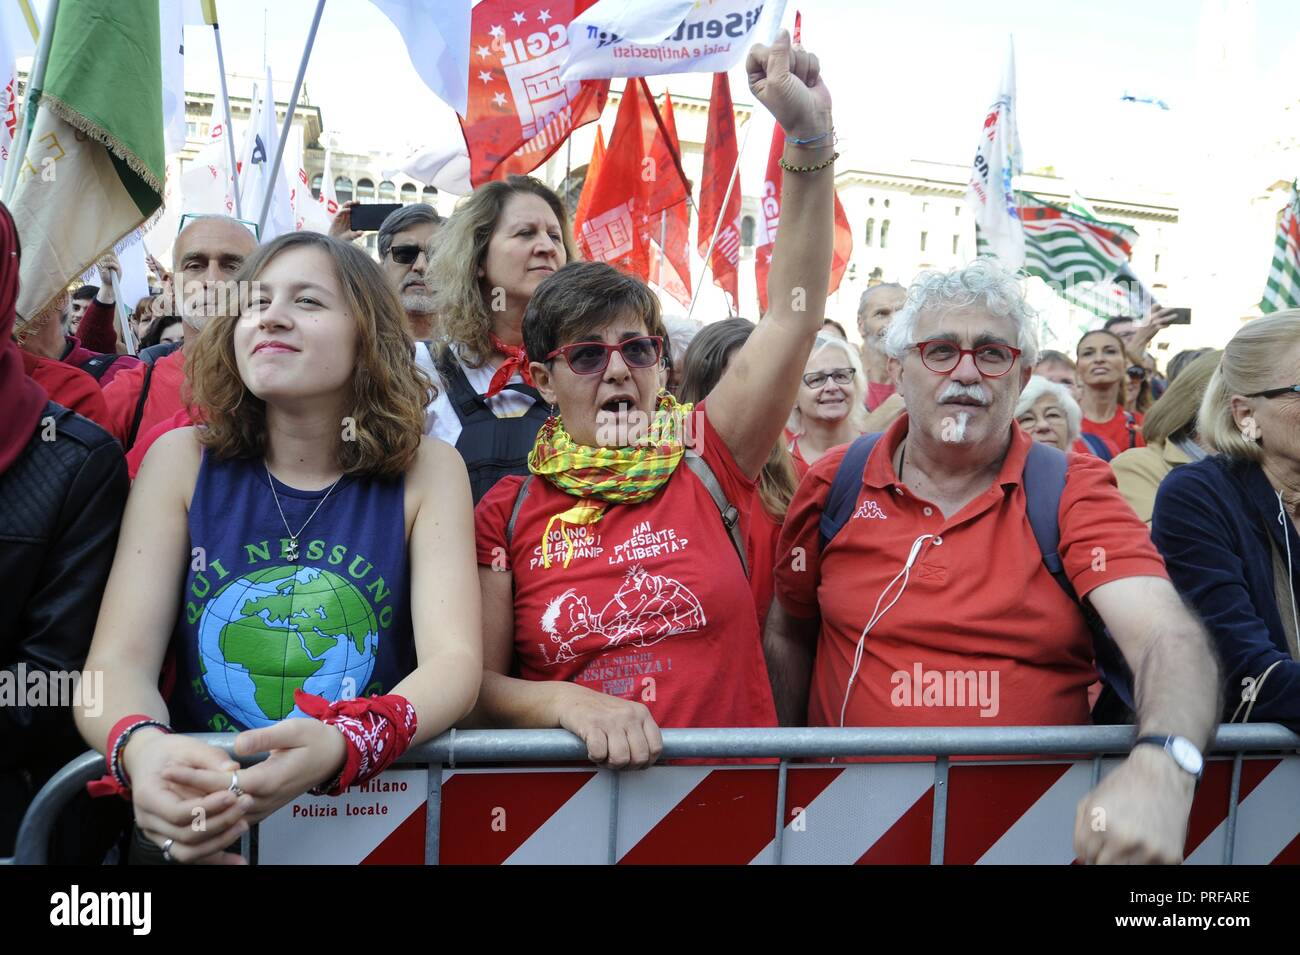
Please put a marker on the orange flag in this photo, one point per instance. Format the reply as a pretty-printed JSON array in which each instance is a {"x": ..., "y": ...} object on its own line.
[
  {"x": 720, "y": 151},
  {"x": 589, "y": 183},
  {"x": 670, "y": 256},
  {"x": 770, "y": 220},
  {"x": 639, "y": 178},
  {"x": 519, "y": 111}
]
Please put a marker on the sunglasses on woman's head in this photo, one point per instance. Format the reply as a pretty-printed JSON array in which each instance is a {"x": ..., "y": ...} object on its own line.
[{"x": 592, "y": 358}]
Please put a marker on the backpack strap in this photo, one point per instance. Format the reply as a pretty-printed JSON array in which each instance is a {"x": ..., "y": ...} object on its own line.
[
  {"x": 729, "y": 512},
  {"x": 1098, "y": 445},
  {"x": 520, "y": 496},
  {"x": 1044, "y": 483},
  {"x": 95, "y": 367},
  {"x": 844, "y": 487},
  {"x": 139, "y": 406}
]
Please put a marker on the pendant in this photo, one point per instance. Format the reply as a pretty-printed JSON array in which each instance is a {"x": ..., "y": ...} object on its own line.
[{"x": 291, "y": 549}]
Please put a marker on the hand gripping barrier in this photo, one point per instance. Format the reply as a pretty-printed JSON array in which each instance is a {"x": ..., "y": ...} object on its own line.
[{"x": 439, "y": 805}]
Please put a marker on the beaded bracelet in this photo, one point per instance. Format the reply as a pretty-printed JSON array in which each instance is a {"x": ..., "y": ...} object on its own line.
[{"x": 821, "y": 165}]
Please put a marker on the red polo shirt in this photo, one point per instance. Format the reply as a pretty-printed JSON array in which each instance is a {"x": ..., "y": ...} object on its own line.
[{"x": 979, "y": 610}]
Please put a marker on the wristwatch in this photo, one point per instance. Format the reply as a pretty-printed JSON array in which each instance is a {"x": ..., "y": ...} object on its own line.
[{"x": 1181, "y": 749}]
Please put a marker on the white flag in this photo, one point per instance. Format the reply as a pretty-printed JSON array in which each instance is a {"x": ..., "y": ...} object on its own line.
[
  {"x": 997, "y": 159},
  {"x": 651, "y": 37},
  {"x": 446, "y": 168},
  {"x": 15, "y": 41},
  {"x": 437, "y": 41},
  {"x": 256, "y": 176},
  {"x": 208, "y": 187}
]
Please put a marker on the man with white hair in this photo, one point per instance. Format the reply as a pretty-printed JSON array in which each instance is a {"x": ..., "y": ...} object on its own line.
[{"x": 932, "y": 572}]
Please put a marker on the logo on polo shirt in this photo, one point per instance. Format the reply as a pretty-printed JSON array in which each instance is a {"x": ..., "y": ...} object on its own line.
[{"x": 869, "y": 509}]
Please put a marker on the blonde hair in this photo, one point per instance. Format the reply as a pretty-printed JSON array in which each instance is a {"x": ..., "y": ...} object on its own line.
[
  {"x": 461, "y": 250},
  {"x": 1248, "y": 364},
  {"x": 1173, "y": 414},
  {"x": 389, "y": 391}
]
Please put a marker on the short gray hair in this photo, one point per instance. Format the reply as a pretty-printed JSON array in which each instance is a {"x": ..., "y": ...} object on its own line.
[
  {"x": 984, "y": 282},
  {"x": 401, "y": 219},
  {"x": 1039, "y": 386}
]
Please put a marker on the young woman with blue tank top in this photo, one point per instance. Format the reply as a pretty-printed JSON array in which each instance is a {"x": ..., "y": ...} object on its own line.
[{"x": 304, "y": 541}]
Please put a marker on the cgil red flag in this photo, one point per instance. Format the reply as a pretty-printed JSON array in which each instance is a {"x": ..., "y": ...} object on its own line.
[
  {"x": 519, "y": 112},
  {"x": 639, "y": 178},
  {"x": 770, "y": 220},
  {"x": 720, "y": 152},
  {"x": 670, "y": 257}
]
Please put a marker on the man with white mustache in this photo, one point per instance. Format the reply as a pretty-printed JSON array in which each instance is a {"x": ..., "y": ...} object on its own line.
[{"x": 938, "y": 568}]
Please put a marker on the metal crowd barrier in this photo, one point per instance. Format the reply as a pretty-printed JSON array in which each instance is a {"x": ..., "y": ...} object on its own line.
[{"x": 457, "y": 748}]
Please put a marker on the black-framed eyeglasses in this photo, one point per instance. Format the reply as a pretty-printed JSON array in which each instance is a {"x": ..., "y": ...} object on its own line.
[
  {"x": 592, "y": 358},
  {"x": 841, "y": 376},
  {"x": 405, "y": 254},
  {"x": 992, "y": 360},
  {"x": 1276, "y": 392}
]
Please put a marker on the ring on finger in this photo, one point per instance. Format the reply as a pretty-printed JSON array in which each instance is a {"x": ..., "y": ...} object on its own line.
[
  {"x": 167, "y": 850},
  {"x": 234, "y": 785}
]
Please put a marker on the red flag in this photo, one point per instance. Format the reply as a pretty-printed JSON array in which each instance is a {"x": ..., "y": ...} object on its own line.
[
  {"x": 519, "y": 112},
  {"x": 771, "y": 208},
  {"x": 589, "y": 183},
  {"x": 672, "y": 238},
  {"x": 639, "y": 178},
  {"x": 720, "y": 151}
]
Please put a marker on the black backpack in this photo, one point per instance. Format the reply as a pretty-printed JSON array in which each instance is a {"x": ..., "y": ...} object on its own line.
[{"x": 1044, "y": 481}]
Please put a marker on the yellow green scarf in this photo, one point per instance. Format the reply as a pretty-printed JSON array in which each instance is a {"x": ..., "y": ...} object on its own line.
[{"x": 604, "y": 476}]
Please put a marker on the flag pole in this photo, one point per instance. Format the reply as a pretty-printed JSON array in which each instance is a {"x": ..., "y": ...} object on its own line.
[
  {"x": 288, "y": 116},
  {"x": 35, "y": 80},
  {"x": 717, "y": 226},
  {"x": 230, "y": 129}
]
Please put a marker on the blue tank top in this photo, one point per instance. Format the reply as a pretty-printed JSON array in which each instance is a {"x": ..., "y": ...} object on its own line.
[{"x": 255, "y": 625}]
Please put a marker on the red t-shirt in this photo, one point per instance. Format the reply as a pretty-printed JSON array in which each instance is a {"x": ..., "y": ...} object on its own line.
[
  {"x": 760, "y": 542},
  {"x": 145, "y": 440},
  {"x": 877, "y": 392},
  {"x": 978, "y": 609},
  {"x": 1117, "y": 432},
  {"x": 654, "y": 605},
  {"x": 68, "y": 386},
  {"x": 162, "y": 402}
]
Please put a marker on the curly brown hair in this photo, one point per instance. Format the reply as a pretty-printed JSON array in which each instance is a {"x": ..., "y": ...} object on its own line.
[
  {"x": 462, "y": 248},
  {"x": 389, "y": 391}
]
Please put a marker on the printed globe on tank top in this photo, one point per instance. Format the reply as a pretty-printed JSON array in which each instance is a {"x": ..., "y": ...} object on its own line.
[{"x": 256, "y": 624}]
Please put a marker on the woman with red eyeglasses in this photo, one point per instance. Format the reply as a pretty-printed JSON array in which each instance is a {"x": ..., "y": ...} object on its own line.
[{"x": 614, "y": 577}]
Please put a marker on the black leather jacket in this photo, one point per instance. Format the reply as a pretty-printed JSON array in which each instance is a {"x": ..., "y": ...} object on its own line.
[{"x": 61, "y": 506}]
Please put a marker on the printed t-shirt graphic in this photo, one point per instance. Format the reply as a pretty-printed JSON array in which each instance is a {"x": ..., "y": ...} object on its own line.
[
  {"x": 653, "y": 605},
  {"x": 254, "y": 626}
]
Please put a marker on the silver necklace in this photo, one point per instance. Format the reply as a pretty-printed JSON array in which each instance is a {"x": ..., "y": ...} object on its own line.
[{"x": 291, "y": 552}]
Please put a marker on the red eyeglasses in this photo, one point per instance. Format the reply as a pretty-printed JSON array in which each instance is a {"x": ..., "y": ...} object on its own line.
[
  {"x": 592, "y": 358},
  {"x": 991, "y": 360}
]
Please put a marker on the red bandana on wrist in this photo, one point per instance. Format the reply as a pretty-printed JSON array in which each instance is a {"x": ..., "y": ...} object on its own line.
[
  {"x": 516, "y": 362},
  {"x": 376, "y": 730}
]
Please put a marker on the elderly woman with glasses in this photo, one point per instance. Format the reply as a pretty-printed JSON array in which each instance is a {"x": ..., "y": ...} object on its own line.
[
  {"x": 1048, "y": 413},
  {"x": 828, "y": 410},
  {"x": 1229, "y": 525},
  {"x": 614, "y": 578}
]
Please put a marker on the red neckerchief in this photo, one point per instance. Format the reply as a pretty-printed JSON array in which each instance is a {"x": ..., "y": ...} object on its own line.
[
  {"x": 22, "y": 399},
  {"x": 516, "y": 362}
]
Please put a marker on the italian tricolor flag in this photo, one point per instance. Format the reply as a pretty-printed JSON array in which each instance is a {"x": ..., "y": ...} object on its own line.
[{"x": 94, "y": 167}]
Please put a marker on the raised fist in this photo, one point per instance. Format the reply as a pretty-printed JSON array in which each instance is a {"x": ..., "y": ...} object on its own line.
[{"x": 787, "y": 81}]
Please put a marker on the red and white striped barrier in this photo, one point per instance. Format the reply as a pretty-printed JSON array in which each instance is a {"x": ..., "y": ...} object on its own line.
[{"x": 835, "y": 814}]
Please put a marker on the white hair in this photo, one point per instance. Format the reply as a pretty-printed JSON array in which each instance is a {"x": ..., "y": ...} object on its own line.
[
  {"x": 985, "y": 282},
  {"x": 857, "y": 390},
  {"x": 681, "y": 332},
  {"x": 1039, "y": 386}
]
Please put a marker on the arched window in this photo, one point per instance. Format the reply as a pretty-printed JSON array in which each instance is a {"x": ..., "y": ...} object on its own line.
[
  {"x": 365, "y": 189},
  {"x": 429, "y": 195},
  {"x": 884, "y": 233},
  {"x": 315, "y": 186},
  {"x": 747, "y": 231},
  {"x": 342, "y": 189},
  {"x": 387, "y": 191},
  {"x": 871, "y": 232},
  {"x": 409, "y": 193}
]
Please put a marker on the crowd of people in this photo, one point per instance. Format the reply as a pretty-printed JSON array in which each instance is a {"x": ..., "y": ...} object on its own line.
[{"x": 482, "y": 483}]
